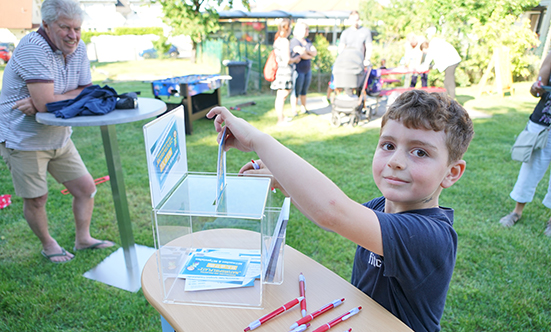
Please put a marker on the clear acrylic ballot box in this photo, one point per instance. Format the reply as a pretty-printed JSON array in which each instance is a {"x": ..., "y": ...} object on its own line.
[{"x": 216, "y": 251}]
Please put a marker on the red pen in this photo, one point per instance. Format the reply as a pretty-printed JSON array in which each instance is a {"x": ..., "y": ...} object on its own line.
[
  {"x": 302, "y": 288},
  {"x": 274, "y": 313},
  {"x": 337, "y": 320},
  {"x": 301, "y": 328},
  {"x": 318, "y": 312}
]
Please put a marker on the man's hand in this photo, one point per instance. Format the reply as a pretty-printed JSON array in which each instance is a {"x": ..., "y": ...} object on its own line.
[{"x": 26, "y": 106}]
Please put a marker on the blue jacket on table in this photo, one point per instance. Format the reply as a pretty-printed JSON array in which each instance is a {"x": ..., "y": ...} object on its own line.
[{"x": 92, "y": 100}]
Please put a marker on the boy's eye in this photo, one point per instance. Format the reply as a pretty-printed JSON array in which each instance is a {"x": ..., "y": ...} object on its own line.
[
  {"x": 419, "y": 153},
  {"x": 387, "y": 146}
]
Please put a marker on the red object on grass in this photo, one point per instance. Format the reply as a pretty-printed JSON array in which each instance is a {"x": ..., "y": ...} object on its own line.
[{"x": 5, "y": 200}]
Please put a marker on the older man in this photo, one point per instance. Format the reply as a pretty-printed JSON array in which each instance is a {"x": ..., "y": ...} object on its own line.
[{"x": 48, "y": 65}]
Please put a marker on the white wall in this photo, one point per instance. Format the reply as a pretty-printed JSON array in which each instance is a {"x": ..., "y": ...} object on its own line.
[{"x": 119, "y": 48}]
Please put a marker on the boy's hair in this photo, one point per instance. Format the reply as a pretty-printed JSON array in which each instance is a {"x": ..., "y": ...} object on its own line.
[{"x": 418, "y": 109}]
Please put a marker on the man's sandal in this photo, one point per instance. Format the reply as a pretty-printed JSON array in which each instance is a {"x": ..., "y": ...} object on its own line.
[
  {"x": 510, "y": 219},
  {"x": 49, "y": 257}
]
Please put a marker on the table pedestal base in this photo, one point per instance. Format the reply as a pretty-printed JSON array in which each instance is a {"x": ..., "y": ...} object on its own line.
[{"x": 113, "y": 270}]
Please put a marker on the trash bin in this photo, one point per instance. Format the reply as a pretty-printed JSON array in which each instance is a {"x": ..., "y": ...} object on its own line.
[{"x": 239, "y": 71}]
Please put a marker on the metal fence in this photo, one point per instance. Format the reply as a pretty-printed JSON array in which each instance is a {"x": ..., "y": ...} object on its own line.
[{"x": 257, "y": 53}]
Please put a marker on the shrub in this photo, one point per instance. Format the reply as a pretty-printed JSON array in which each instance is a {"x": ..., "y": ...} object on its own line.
[{"x": 325, "y": 59}]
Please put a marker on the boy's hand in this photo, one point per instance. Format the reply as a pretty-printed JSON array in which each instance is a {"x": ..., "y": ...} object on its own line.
[
  {"x": 249, "y": 169},
  {"x": 239, "y": 134}
]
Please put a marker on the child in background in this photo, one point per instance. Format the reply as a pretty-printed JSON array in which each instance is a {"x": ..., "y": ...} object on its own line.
[{"x": 406, "y": 242}]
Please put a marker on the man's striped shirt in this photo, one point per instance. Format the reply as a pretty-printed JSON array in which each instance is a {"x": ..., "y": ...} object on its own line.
[{"x": 37, "y": 60}]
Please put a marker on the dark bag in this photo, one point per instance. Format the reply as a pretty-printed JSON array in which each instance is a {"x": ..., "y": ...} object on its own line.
[
  {"x": 270, "y": 68},
  {"x": 527, "y": 142},
  {"x": 127, "y": 100}
]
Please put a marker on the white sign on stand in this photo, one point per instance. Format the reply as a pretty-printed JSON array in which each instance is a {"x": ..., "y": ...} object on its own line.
[{"x": 165, "y": 145}]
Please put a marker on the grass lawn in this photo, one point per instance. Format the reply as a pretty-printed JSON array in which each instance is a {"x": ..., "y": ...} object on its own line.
[{"x": 501, "y": 279}]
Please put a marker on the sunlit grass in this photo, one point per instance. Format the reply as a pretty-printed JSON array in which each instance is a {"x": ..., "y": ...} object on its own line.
[{"x": 501, "y": 277}]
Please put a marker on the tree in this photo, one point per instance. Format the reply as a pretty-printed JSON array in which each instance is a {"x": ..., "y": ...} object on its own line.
[
  {"x": 474, "y": 27},
  {"x": 194, "y": 18}
]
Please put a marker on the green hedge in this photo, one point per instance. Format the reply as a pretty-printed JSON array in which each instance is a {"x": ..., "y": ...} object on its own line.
[{"x": 86, "y": 36}]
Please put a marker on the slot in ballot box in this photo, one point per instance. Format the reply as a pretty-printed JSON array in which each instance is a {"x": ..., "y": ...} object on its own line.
[{"x": 201, "y": 257}]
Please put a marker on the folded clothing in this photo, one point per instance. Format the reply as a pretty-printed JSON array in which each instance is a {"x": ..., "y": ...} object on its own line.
[{"x": 92, "y": 100}]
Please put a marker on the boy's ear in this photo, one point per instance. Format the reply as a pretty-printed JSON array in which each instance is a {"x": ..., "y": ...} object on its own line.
[{"x": 455, "y": 172}]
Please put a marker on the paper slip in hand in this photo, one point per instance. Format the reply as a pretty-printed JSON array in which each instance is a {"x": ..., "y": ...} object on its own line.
[{"x": 221, "y": 169}]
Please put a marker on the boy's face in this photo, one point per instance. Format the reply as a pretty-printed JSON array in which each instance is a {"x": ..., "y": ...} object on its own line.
[{"x": 410, "y": 167}]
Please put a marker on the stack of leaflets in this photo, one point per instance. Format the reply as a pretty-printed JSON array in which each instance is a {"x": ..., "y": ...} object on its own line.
[{"x": 215, "y": 268}]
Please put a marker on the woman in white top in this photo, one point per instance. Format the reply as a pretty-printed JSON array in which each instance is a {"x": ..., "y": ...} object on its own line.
[{"x": 283, "y": 82}]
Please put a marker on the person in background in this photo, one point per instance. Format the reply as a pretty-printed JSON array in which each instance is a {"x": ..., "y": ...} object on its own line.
[
  {"x": 446, "y": 59},
  {"x": 406, "y": 244},
  {"x": 532, "y": 172},
  {"x": 303, "y": 69},
  {"x": 48, "y": 65},
  {"x": 357, "y": 37},
  {"x": 355, "y": 48},
  {"x": 413, "y": 58},
  {"x": 283, "y": 82}
]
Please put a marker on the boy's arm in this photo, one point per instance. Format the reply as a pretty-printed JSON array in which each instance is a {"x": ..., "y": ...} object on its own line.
[{"x": 312, "y": 192}]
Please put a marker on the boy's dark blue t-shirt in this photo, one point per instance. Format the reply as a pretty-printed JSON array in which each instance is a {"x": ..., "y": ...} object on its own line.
[{"x": 413, "y": 277}]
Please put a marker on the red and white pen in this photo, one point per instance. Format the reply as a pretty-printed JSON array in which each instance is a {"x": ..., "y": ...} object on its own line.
[
  {"x": 318, "y": 312},
  {"x": 337, "y": 320},
  {"x": 273, "y": 314},
  {"x": 301, "y": 328},
  {"x": 302, "y": 289}
]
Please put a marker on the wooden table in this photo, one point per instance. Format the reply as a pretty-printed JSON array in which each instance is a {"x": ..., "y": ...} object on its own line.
[
  {"x": 122, "y": 268},
  {"x": 322, "y": 286}
]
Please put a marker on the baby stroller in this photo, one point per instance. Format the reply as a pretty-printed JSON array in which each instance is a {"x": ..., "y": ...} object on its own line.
[{"x": 351, "y": 108}]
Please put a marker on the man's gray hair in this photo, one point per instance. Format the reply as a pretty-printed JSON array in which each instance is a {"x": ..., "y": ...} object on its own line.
[{"x": 52, "y": 10}]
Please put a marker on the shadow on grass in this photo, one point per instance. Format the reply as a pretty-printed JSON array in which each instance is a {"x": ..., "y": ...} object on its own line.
[{"x": 462, "y": 99}]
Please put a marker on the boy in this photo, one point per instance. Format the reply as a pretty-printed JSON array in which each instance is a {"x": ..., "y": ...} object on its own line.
[{"x": 406, "y": 243}]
